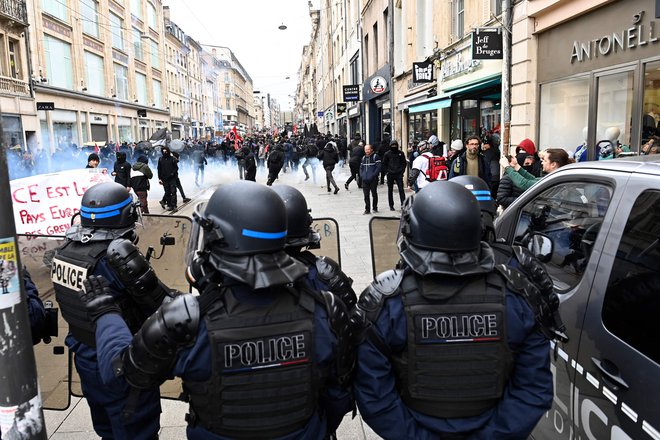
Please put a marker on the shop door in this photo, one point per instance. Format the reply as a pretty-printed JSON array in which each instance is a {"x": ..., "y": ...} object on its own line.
[{"x": 99, "y": 133}]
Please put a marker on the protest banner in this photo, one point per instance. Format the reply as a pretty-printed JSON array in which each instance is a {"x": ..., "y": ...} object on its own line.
[{"x": 44, "y": 204}]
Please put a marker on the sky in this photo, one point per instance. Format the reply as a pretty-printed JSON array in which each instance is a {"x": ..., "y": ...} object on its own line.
[{"x": 250, "y": 29}]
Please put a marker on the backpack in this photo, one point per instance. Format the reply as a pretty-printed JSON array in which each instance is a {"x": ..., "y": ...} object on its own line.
[
  {"x": 437, "y": 168},
  {"x": 312, "y": 150}
]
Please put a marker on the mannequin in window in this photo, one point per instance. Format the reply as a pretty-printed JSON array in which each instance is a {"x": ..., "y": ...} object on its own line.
[
  {"x": 581, "y": 150},
  {"x": 612, "y": 134}
]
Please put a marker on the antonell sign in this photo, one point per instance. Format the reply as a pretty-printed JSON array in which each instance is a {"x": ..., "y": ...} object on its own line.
[
  {"x": 487, "y": 44},
  {"x": 641, "y": 33}
]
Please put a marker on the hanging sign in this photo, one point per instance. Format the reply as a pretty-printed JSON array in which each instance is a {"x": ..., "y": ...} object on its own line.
[{"x": 487, "y": 44}]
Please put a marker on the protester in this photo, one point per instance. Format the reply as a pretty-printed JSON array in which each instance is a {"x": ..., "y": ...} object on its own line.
[
  {"x": 140, "y": 176},
  {"x": 369, "y": 172}
]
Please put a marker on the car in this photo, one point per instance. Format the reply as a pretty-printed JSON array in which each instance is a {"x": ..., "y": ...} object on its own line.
[{"x": 600, "y": 225}]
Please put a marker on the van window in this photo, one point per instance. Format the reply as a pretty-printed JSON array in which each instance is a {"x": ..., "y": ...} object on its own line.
[
  {"x": 570, "y": 214},
  {"x": 632, "y": 301}
]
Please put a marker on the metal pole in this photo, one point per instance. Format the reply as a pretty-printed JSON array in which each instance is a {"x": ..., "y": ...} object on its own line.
[
  {"x": 390, "y": 31},
  {"x": 507, "y": 15},
  {"x": 21, "y": 412}
]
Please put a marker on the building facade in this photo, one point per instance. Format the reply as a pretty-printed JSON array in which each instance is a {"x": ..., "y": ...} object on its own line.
[
  {"x": 98, "y": 63},
  {"x": 19, "y": 118}
]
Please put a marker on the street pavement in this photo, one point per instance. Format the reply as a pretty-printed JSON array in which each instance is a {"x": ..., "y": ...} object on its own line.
[{"x": 346, "y": 207}]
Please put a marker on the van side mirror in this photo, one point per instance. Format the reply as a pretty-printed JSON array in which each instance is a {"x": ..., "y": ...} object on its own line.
[{"x": 541, "y": 246}]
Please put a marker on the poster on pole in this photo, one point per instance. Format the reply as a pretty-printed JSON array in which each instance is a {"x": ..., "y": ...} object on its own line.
[{"x": 44, "y": 204}]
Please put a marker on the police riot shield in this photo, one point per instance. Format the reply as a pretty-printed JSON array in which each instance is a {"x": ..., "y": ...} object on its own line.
[
  {"x": 52, "y": 359},
  {"x": 383, "y": 232},
  {"x": 328, "y": 230}
]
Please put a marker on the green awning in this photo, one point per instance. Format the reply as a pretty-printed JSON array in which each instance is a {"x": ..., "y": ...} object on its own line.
[
  {"x": 428, "y": 106},
  {"x": 475, "y": 87}
]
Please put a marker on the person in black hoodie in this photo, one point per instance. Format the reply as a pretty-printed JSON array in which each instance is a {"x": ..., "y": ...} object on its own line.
[
  {"x": 329, "y": 157},
  {"x": 250, "y": 164},
  {"x": 140, "y": 175},
  {"x": 122, "y": 170},
  {"x": 275, "y": 163},
  {"x": 168, "y": 173},
  {"x": 394, "y": 164},
  {"x": 357, "y": 153}
]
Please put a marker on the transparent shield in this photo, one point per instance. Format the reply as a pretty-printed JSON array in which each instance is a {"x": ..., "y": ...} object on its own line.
[
  {"x": 168, "y": 257},
  {"x": 383, "y": 232},
  {"x": 328, "y": 229},
  {"x": 52, "y": 359}
]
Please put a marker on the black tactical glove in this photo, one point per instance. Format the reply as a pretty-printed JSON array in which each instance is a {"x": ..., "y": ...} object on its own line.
[{"x": 97, "y": 297}]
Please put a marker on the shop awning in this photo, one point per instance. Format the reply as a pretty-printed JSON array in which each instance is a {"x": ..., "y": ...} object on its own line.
[
  {"x": 444, "y": 100},
  {"x": 428, "y": 106}
]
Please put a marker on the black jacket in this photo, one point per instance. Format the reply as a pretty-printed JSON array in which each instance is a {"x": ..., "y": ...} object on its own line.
[
  {"x": 168, "y": 168},
  {"x": 357, "y": 153},
  {"x": 507, "y": 192},
  {"x": 122, "y": 170},
  {"x": 394, "y": 162},
  {"x": 276, "y": 158},
  {"x": 328, "y": 156},
  {"x": 250, "y": 168}
]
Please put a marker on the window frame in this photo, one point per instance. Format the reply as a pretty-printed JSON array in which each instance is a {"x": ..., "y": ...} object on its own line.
[
  {"x": 117, "y": 31},
  {"x": 89, "y": 21}
]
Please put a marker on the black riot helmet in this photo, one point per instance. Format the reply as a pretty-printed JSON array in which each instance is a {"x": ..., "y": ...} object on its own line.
[
  {"x": 108, "y": 205},
  {"x": 442, "y": 217},
  {"x": 299, "y": 221},
  {"x": 481, "y": 192},
  {"x": 243, "y": 218}
]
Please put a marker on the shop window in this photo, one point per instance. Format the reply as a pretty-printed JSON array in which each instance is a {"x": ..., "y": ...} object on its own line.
[
  {"x": 59, "y": 69},
  {"x": 615, "y": 102},
  {"x": 632, "y": 301},
  {"x": 95, "y": 78},
  {"x": 651, "y": 117},
  {"x": 564, "y": 114},
  {"x": 570, "y": 214}
]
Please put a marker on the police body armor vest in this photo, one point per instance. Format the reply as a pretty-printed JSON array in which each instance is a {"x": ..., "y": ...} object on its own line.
[
  {"x": 72, "y": 263},
  {"x": 457, "y": 361},
  {"x": 264, "y": 383}
]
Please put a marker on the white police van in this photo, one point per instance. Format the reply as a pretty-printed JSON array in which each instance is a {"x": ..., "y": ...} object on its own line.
[{"x": 601, "y": 221}]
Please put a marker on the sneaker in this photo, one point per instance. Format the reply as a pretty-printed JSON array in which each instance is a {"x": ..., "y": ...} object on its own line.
[
  {"x": 186, "y": 200},
  {"x": 346, "y": 186},
  {"x": 163, "y": 205},
  {"x": 375, "y": 210},
  {"x": 306, "y": 178},
  {"x": 366, "y": 212},
  {"x": 169, "y": 208},
  {"x": 329, "y": 190},
  {"x": 336, "y": 190},
  {"x": 392, "y": 208}
]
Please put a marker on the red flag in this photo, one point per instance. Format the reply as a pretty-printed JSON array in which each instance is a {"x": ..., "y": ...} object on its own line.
[
  {"x": 295, "y": 129},
  {"x": 237, "y": 137},
  {"x": 97, "y": 150}
]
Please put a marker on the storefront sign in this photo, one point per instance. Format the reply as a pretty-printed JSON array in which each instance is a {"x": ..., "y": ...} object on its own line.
[
  {"x": 487, "y": 44},
  {"x": 457, "y": 65},
  {"x": 142, "y": 113},
  {"x": 423, "y": 72},
  {"x": 329, "y": 115},
  {"x": 320, "y": 114},
  {"x": 341, "y": 108},
  {"x": 378, "y": 84},
  {"x": 638, "y": 35},
  {"x": 351, "y": 92},
  {"x": 45, "y": 105}
]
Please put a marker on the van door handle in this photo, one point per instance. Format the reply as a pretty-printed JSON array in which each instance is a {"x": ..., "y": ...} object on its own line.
[{"x": 610, "y": 373}]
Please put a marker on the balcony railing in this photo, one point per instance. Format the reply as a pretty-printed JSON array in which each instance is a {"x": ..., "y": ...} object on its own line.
[
  {"x": 14, "y": 9},
  {"x": 14, "y": 86}
]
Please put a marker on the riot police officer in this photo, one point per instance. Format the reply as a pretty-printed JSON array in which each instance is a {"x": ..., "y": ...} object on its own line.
[
  {"x": 324, "y": 272},
  {"x": 448, "y": 349},
  {"x": 102, "y": 244},
  {"x": 259, "y": 352}
]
